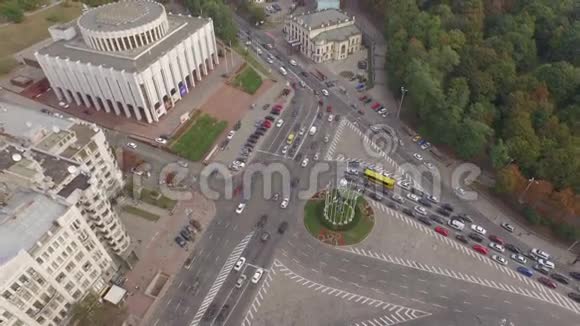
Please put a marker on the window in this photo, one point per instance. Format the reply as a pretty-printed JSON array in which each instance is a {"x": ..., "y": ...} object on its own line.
[
  {"x": 60, "y": 277},
  {"x": 70, "y": 266},
  {"x": 50, "y": 250},
  {"x": 7, "y": 295},
  {"x": 78, "y": 276},
  {"x": 69, "y": 250},
  {"x": 77, "y": 294},
  {"x": 54, "y": 265},
  {"x": 23, "y": 279},
  {"x": 79, "y": 256},
  {"x": 60, "y": 239},
  {"x": 86, "y": 284},
  {"x": 15, "y": 287},
  {"x": 49, "y": 270},
  {"x": 40, "y": 320},
  {"x": 45, "y": 255},
  {"x": 69, "y": 286},
  {"x": 39, "y": 260},
  {"x": 74, "y": 245}
]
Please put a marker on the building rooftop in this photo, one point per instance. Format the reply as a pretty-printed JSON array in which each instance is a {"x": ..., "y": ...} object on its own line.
[
  {"x": 55, "y": 167},
  {"x": 29, "y": 124},
  {"x": 84, "y": 134},
  {"x": 9, "y": 155},
  {"x": 24, "y": 218},
  {"x": 338, "y": 34},
  {"x": 81, "y": 181},
  {"x": 135, "y": 60},
  {"x": 323, "y": 17},
  {"x": 122, "y": 15}
]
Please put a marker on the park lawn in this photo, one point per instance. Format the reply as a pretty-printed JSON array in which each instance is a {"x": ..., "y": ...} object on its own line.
[
  {"x": 34, "y": 28},
  {"x": 248, "y": 80},
  {"x": 141, "y": 213},
  {"x": 197, "y": 140}
]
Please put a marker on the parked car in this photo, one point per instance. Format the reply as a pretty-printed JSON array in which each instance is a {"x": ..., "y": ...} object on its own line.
[
  {"x": 179, "y": 240},
  {"x": 282, "y": 228}
]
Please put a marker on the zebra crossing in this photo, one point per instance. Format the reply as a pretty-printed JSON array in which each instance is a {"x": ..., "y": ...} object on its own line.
[
  {"x": 221, "y": 278},
  {"x": 258, "y": 298},
  {"x": 393, "y": 313},
  {"x": 335, "y": 140}
]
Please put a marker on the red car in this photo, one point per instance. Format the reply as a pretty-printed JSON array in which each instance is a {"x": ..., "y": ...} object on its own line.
[
  {"x": 320, "y": 102},
  {"x": 267, "y": 124},
  {"x": 496, "y": 239},
  {"x": 362, "y": 98},
  {"x": 547, "y": 282},
  {"x": 481, "y": 249},
  {"x": 277, "y": 107},
  {"x": 441, "y": 231},
  {"x": 329, "y": 108},
  {"x": 376, "y": 106}
]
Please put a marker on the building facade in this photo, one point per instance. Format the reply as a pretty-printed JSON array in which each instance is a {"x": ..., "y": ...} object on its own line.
[
  {"x": 324, "y": 35},
  {"x": 66, "y": 159},
  {"x": 50, "y": 259},
  {"x": 129, "y": 58}
]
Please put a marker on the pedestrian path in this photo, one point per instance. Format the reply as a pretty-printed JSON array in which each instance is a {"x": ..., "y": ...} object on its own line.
[
  {"x": 391, "y": 314},
  {"x": 221, "y": 278}
]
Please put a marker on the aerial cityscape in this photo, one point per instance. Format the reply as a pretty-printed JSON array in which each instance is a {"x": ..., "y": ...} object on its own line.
[{"x": 289, "y": 162}]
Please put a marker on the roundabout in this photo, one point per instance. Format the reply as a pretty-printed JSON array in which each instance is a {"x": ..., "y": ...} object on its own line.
[{"x": 338, "y": 217}]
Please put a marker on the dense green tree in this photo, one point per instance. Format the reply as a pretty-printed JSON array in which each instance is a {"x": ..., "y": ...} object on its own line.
[
  {"x": 425, "y": 88},
  {"x": 11, "y": 10},
  {"x": 499, "y": 155},
  {"x": 472, "y": 138},
  {"x": 562, "y": 79},
  {"x": 458, "y": 93},
  {"x": 560, "y": 165}
]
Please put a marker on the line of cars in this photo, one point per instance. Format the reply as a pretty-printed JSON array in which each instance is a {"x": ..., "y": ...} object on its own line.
[
  {"x": 376, "y": 106},
  {"x": 187, "y": 233}
]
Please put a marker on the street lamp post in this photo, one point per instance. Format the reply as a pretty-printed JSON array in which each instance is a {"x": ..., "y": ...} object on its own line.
[
  {"x": 530, "y": 181},
  {"x": 403, "y": 92}
]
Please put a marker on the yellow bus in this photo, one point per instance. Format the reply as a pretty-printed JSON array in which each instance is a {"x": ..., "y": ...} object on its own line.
[
  {"x": 290, "y": 139},
  {"x": 380, "y": 178}
]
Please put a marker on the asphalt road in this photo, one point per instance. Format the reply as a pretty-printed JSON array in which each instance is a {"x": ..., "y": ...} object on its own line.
[{"x": 191, "y": 288}]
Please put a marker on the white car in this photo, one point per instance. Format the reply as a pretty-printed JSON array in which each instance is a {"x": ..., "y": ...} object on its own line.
[
  {"x": 375, "y": 128},
  {"x": 520, "y": 259},
  {"x": 285, "y": 202},
  {"x": 460, "y": 191},
  {"x": 420, "y": 210},
  {"x": 302, "y": 131},
  {"x": 418, "y": 157},
  {"x": 324, "y": 92},
  {"x": 540, "y": 253},
  {"x": 231, "y": 134},
  {"x": 279, "y": 123},
  {"x": 398, "y": 198},
  {"x": 413, "y": 197},
  {"x": 508, "y": 227},
  {"x": 241, "y": 280},
  {"x": 425, "y": 146},
  {"x": 285, "y": 149},
  {"x": 161, "y": 140},
  {"x": 497, "y": 247},
  {"x": 433, "y": 199},
  {"x": 304, "y": 162},
  {"x": 258, "y": 51},
  {"x": 269, "y": 60},
  {"x": 429, "y": 165},
  {"x": 478, "y": 229},
  {"x": 456, "y": 224},
  {"x": 330, "y": 117},
  {"x": 546, "y": 263},
  {"x": 405, "y": 185},
  {"x": 316, "y": 156},
  {"x": 239, "y": 264},
  {"x": 240, "y": 208},
  {"x": 132, "y": 145},
  {"x": 257, "y": 275},
  {"x": 499, "y": 259},
  {"x": 293, "y": 62}
]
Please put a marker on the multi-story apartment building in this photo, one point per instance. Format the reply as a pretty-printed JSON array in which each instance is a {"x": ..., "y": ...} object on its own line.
[
  {"x": 63, "y": 158},
  {"x": 49, "y": 258},
  {"x": 323, "y": 35}
]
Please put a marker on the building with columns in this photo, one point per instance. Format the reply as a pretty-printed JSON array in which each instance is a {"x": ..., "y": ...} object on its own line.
[
  {"x": 129, "y": 58},
  {"x": 324, "y": 35}
]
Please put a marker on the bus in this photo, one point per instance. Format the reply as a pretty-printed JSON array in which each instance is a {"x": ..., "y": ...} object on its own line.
[{"x": 380, "y": 178}]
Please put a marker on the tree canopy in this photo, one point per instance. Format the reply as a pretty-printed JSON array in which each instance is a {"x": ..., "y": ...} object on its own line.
[
  {"x": 223, "y": 20},
  {"x": 495, "y": 79}
]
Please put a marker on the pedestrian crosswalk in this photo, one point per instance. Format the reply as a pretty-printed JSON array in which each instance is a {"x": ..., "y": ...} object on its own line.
[
  {"x": 537, "y": 291},
  {"x": 221, "y": 278},
  {"x": 335, "y": 140},
  {"x": 260, "y": 295}
]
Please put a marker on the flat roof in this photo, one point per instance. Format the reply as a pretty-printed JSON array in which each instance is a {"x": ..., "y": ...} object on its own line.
[
  {"x": 55, "y": 167},
  {"x": 22, "y": 122},
  {"x": 327, "y": 17},
  {"x": 122, "y": 15},
  {"x": 84, "y": 134},
  {"x": 25, "y": 218},
  {"x": 115, "y": 294},
  {"x": 135, "y": 60},
  {"x": 81, "y": 182},
  {"x": 338, "y": 34}
]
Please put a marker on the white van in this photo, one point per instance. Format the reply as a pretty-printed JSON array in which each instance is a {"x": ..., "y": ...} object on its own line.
[
  {"x": 456, "y": 224},
  {"x": 283, "y": 71},
  {"x": 538, "y": 253},
  {"x": 312, "y": 130}
]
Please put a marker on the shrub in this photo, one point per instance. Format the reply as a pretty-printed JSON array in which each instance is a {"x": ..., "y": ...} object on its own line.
[
  {"x": 532, "y": 216},
  {"x": 565, "y": 231},
  {"x": 12, "y": 11}
]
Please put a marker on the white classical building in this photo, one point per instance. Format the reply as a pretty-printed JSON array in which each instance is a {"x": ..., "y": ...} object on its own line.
[
  {"x": 129, "y": 58},
  {"x": 323, "y": 35},
  {"x": 49, "y": 258},
  {"x": 67, "y": 159}
]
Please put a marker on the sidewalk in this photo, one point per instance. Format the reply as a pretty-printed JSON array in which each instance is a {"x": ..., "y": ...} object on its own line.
[{"x": 162, "y": 253}]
